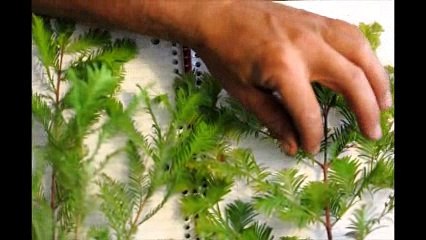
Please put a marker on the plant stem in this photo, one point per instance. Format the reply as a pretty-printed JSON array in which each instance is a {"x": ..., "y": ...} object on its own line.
[
  {"x": 219, "y": 219},
  {"x": 156, "y": 209},
  {"x": 76, "y": 229},
  {"x": 58, "y": 80},
  {"x": 262, "y": 183},
  {"x": 53, "y": 178},
  {"x": 325, "y": 116},
  {"x": 328, "y": 225},
  {"x": 142, "y": 203},
  {"x": 52, "y": 203},
  {"x": 312, "y": 158},
  {"x": 325, "y": 166},
  {"x": 356, "y": 195},
  {"x": 49, "y": 77},
  {"x": 106, "y": 161},
  {"x": 219, "y": 212}
]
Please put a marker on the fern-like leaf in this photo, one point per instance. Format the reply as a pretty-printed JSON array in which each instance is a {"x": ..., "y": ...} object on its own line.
[
  {"x": 315, "y": 196},
  {"x": 372, "y": 32},
  {"x": 381, "y": 175},
  {"x": 113, "y": 55},
  {"x": 63, "y": 29},
  {"x": 116, "y": 203},
  {"x": 138, "y": 184},
  {"x": 90, "y": 39},
  {"x": 99, "y": 233},
  {"x": 87, "y": 94},
  {"x": 361, "y": 226},
  {"x": 343, "y": 174},
  {"x": 43, "y": 38},
  {"x": 257, "y": 232},
  {"x": 41, "y": 111},
  {"x": 240, "y": 215},
  {"x": 290, "y": 181},
  {"x": 41, "y": 221}
]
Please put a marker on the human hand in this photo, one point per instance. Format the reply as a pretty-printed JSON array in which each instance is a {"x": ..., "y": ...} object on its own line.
[{"x": 257, "y": 48}]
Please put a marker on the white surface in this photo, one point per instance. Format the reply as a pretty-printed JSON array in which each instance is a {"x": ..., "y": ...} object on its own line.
[{"x": 154, "y": 65}]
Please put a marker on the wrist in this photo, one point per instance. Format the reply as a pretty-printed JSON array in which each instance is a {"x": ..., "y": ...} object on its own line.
[
  {"x": 167, "y": 20},
  {"x": 189, "y": 22}
]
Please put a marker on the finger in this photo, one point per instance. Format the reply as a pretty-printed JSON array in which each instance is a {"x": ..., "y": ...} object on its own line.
[
  {"x": 350, "y": 42},
  {"x": 343, "y": 76},
  {"x": 269, "y": 111},
  {"x": 299, "y": 99}
]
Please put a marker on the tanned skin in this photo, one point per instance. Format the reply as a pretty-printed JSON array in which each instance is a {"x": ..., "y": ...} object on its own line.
[{"x": 256, "y": 48}]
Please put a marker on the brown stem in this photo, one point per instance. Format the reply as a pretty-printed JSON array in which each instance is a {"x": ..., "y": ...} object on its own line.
[
  {"x": 312, "y": 158},
  {"x": 53, "y": 179},
  {"x": 52, "y": 191},
  {"x": 142, "y": 203},
  {"x": 58, "y": 81},
  {"x": 325, "y": 116},
  {"x": 328, "y": 225},
  {"x": 76, "y": 228},
  {"x": 52, "y": 203}
]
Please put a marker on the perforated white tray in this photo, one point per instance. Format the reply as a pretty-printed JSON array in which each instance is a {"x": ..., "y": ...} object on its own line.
[{"x": 158, "y": 64}]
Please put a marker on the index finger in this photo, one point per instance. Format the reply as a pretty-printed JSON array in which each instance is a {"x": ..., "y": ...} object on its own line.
[{"x": 348, "y": 40}]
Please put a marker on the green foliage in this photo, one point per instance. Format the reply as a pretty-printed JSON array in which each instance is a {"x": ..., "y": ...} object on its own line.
[
  {"x": 116, "y": 204},
  {"x": 237, "y": 222},
  {"x": 60, "y": 207},
  {"x": 41, "y": 221},
  {"x": 239, "y": 121},
  {"x": 41, "y": 111},
  {"x": 191, "y": 154},
  {"x": 240, "y": 214},
  {"x": 292, "y": 238},
  {"x": 87, "y": 95},
  {"x": 285, "y": 197},
  {"x": 87, "y": 41},
  {"x": 316, "y": 195},
  {"x": 188, "y": 151},
  {"x": 343, "y": 174},
  {"x": 112, "y": 54},
  {"x": 43, "y": 38},
  {"x": 372, "y": 32},
  {"x": 291, "y": 197},
  {"x": 361, "y": 225},
  {"x": 98, "y": 233}
]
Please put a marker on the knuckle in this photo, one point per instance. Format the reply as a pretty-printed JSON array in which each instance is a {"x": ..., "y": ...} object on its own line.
[
  {"x": 354, "y": 30},
  {"x": 335, "y": 24},
  {"x": 361, "y": 44},
  {"x": 304, "y": 38},
  {"x": 277, "y": 62},
  {"x": 357, "y": 74}
]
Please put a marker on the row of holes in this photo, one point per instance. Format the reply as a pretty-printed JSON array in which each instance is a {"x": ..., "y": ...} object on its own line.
[
  {"x": 198, "y": 73},
  {"x": 156, "y": 41}
]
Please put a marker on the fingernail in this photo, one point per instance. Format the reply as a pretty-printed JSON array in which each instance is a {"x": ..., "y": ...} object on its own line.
[
  {"x": 289, "y": 148},
  {"x": 286, "y": 148},
  {"x": 377, "y": 133},
  {"x": 315, "y": 150}
]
